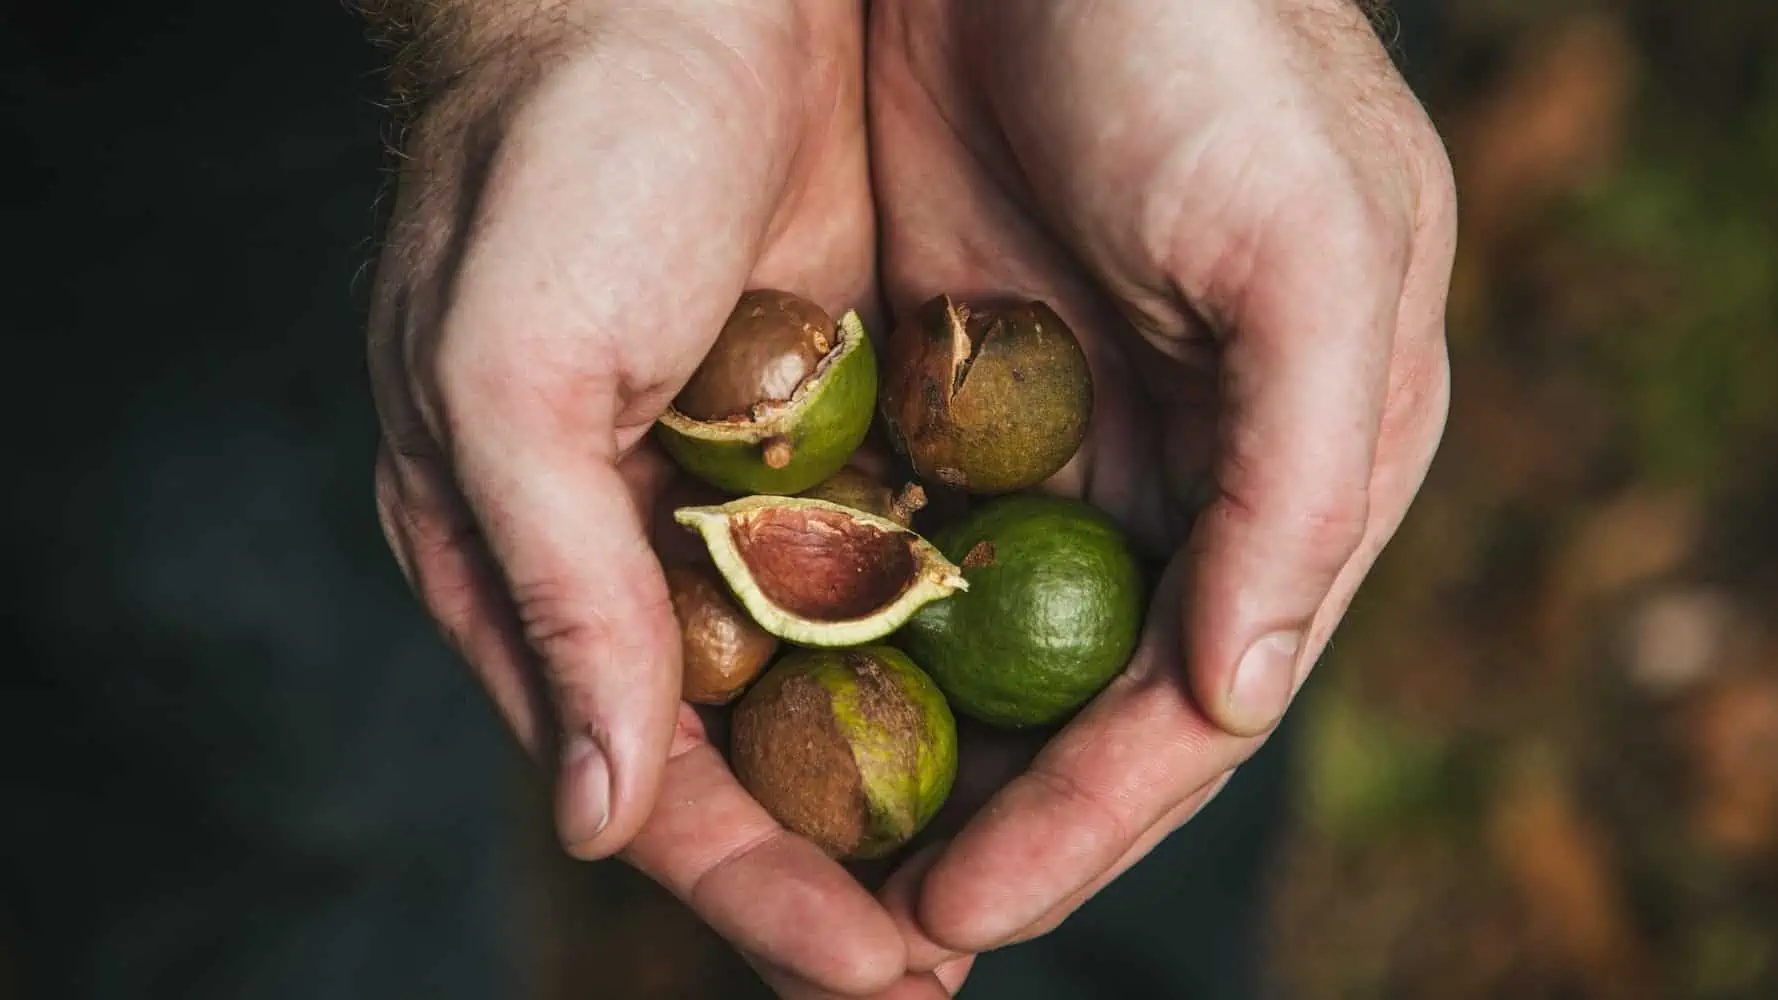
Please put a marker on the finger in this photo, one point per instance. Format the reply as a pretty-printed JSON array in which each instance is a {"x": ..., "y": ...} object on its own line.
[
  {"x": 1419, "y": 391},
  {"x": 987, "y": 760},
  {"x": 441, "y": 554},
  {"x": 507, "y": 629},
  {"x": 772, "y": 894},
  {"x": 1309, "y": 334},
  {"x": 901, "y": 898},
  {"x": 1061, "y": 826},
  {"x": 1168, "y": 824},
  {"x": 1136, "y": 753},
  {"x": 952, "y": 974},
  {"x": 919, "y": 986},
  {"x": 605, "y": 248},
  {"x": 588, "y": 595}
]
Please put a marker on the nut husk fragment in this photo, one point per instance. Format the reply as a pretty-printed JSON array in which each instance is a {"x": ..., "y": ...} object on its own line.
[
  {"x": 723, "y": 649},
  {"x": 854, "y": 749},
  {"x": 986, "y": 399}
]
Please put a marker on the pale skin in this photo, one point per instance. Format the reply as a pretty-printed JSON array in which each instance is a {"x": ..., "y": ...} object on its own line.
[{"x": 1240, "y": 208}]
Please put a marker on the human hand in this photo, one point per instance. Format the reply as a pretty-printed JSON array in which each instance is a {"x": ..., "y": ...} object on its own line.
[
  {"x": 1249, "y": 220},
  {"x": 582, "y": 199}
]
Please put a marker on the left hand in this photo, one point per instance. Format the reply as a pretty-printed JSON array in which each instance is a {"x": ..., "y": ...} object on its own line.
[
  {"x": 583, "y": 196},
  {"x": 1249, "y": 220}
]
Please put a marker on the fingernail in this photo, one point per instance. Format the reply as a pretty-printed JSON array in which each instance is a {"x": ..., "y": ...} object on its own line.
[
  {"x": 951, "y": 975},
  {"x": 1264, "y": 682},
  {"x": 585, "y": 804},
  {"x": 1216, "y": 790}
]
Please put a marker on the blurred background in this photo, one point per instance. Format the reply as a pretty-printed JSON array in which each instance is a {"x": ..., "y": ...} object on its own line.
[{"x": 1541, "y": 759}]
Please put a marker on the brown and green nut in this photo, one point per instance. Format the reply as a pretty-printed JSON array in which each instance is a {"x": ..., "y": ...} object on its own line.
[
  {"x": 986, "y": 399},
  {"x": 854, "y": 749},
  {"x": 723, "y": 649}
]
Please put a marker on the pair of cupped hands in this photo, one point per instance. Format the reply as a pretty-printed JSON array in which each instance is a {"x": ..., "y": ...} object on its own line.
[{"x": 1237, "y": 204}]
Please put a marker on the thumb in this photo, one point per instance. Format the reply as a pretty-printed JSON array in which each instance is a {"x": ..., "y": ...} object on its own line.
[
  {"x": 613, "y": 229},
  {"x": 589, "y": 597},
  {"x": 1304, "y": 379}
]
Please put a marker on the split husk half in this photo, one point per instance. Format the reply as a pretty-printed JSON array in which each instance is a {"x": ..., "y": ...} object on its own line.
[{"x": 820, "y": 574}]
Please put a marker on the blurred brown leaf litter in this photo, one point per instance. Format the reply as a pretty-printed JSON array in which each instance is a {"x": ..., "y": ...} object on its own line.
[
  {"x": 1541, "y": 760},
  {"x": 1573, "y": 631}
]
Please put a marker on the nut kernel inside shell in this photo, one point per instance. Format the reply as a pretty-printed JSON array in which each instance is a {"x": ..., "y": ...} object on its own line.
[
  {"x": 771, "y": 343},
  {"x": 823, "y": 565},
  {"x": 785, "y": 447}
]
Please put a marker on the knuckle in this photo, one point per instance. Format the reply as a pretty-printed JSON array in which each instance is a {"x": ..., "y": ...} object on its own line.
[
  {"x": 1336, "y": 522},
  {"x": 391, "y": 509},
  {"x": 1374, "y": 222},
  {"x": 387, "y": 333},
  {"x": 401, "y": 416},
  {"x": 1437, "y": 180},
  {"x": 1326, "y": 530},
  {"x": 492, "y": 381},
  {"x": 565, "y": 631},
  {"x": 464, "y": 373},
  {"x": 1102, "y": 812},
  {"x": 766, "y": 838},
  {"x": 386, "y": 484},
  {"x": 422, "y": 504},
  {"x": 1330, "y": 518},
  {"x": 1426, "y": 154}
]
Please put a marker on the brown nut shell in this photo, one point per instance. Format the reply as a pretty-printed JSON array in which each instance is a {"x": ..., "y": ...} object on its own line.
[
  {"x": 723, "y": 649},
  {"x": 789, "y": 751},
  {"x": 986, "y": 399},
  {"x": 772, "y": 341}
]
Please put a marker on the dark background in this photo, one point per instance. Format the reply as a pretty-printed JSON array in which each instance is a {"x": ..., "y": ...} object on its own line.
[
  {"x": 1541, "y": 760},
  {"x": 235, "y": 763}
]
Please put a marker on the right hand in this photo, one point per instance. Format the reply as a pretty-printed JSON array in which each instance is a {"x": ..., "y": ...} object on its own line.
[{"x": 578, "y": 211}]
